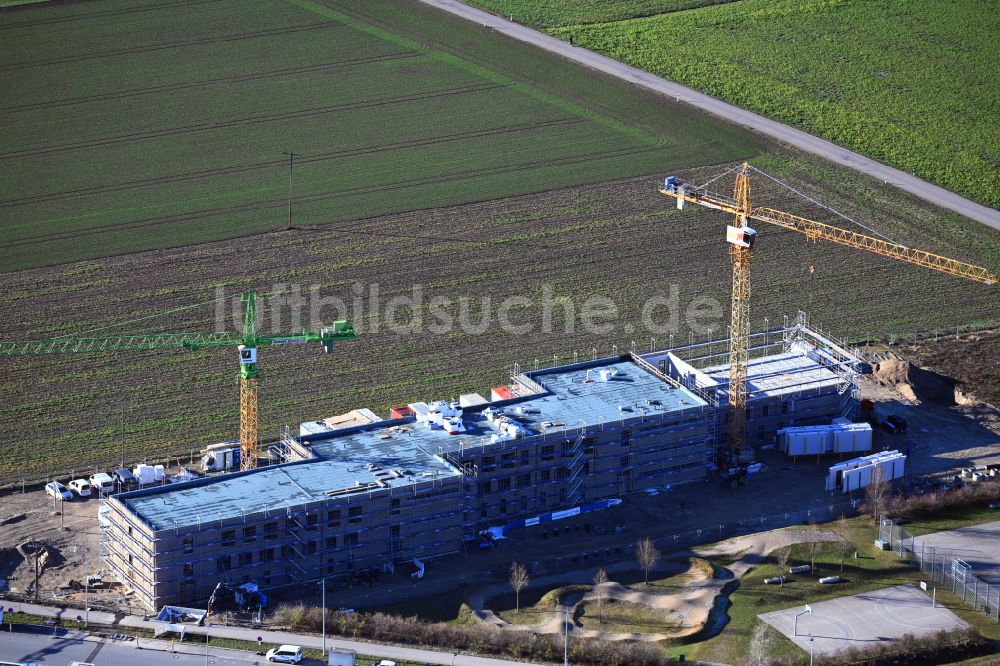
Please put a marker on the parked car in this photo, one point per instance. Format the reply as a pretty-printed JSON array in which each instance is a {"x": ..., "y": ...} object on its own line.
[
  {"x": 102, "y": 482},
  {"x": 897, "y": 421},
  {"x": 80, "y": 486},
  {"x": 288, "y": 654},
  {"x": 384, "y": 662},
  {"x": 58, "y": 490},
  {"x": 125, "y": 478}
]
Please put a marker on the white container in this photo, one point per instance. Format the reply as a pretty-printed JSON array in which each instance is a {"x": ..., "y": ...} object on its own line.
[
  {"x": 817, "y": 440},
  {"x": 857, "y": 473},
  {"x": 144, "y": 474}
]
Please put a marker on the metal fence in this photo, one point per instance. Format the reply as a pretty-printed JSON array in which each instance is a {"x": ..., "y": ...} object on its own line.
[
  {"x": 74, "y": 607},
  {"x": 942, "y": 566}
]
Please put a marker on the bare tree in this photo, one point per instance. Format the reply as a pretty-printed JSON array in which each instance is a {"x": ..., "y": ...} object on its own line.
[
  {"x": 813, "y": 547},
  {"x": 846, "y": 545},
  {"x": 600, "y": 578},
  {"x": 782, "y": 556},
  {"x": 647, "y": 555},
  {"x": 519, "y": 580},
  {"x": 876, "y": 494},
  {"x": 761, "y": 643}
]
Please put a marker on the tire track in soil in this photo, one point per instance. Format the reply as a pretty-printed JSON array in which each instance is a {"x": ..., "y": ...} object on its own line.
[
  {"x": 395, "y": 226},
  {"x": 109, "y": 12},
  {"x": 236, "y": 37},
  {"x": 251, "y": 120},
  {"x": 242, "y": 168},
  {"x": 239, "y": 78},
  {"x": 395, "y": 362},
  {"x": 277, "y": 203},
  {"x": 399, "y": 222}
]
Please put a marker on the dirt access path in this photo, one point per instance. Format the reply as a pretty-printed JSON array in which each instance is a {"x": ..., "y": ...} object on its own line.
[
  {"x": 691, "y": 605},
  {"x": 793, "y": 137}
]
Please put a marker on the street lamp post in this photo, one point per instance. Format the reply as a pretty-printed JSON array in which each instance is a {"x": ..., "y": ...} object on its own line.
[{"x": 323, "y": 584}]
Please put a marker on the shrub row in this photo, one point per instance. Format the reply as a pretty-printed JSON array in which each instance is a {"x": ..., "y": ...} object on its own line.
[
  {"x": 477, "y": 638},
  {"x": 920, "y": 506},
  {"x": 943, "y": 647}
]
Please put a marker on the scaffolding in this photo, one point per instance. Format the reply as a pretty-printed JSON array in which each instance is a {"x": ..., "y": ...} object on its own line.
[{"x": 664, "y": 432}]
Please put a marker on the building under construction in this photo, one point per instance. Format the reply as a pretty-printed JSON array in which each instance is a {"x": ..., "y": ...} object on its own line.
[{"x": 373, "y": 494}]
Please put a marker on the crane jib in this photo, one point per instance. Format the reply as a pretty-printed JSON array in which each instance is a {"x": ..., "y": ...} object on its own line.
[{"x": 820, "y": 230}]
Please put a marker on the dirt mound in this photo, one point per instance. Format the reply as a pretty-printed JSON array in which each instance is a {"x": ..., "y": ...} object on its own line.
[
  {"x": 970, "y": 361},
  {"x": 891, "y": 372},
  {"x": 915, "y": 382}
]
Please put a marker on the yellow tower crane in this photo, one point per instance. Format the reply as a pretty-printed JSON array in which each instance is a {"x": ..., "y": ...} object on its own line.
[{"x": 741, "y": 241}]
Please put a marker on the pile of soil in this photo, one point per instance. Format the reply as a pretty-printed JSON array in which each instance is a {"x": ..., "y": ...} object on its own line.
[
  {"x": 916, "y": 383},
  {"x": 972, "y": 361}
]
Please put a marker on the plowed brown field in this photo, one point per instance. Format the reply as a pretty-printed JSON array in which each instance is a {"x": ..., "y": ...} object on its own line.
[{"x": 620, "y": 240}]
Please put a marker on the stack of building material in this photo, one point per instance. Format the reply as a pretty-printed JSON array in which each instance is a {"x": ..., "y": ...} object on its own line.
[
  {"x": 833, "y": 438},
  {"x": 859, "y": 472},
  {"x": 351, "y": 419}
]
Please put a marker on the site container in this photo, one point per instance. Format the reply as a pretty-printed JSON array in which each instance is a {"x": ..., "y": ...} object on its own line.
[
  {"x": 833, "y": 438},
  {"x": 858, "y": 473}
]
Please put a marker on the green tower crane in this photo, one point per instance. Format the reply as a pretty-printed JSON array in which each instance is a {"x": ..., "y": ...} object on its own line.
[{"x": 247, "y": 344}]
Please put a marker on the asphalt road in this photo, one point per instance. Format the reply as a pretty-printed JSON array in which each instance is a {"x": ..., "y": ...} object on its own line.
[
  {"x": 69, "y": 645},
  {"x": 789, "y": 135},
  {"x": 61, "y": 651}
]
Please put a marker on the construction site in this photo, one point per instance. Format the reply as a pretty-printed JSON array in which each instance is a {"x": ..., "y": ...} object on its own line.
[
  {"x": 455, "y": 484},
  {"x": 406, "y": 490},
  {"x": 464, "y": 331}
]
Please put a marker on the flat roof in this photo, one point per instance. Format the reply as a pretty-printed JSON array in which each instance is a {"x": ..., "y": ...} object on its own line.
[
  {"x": 571, "y": 397},
  {"x": 779, "y": 374},
  {"x": 346, "y": 468},
  {"x": 631, "y": 392},
  {"x": 401, "y": 452}
]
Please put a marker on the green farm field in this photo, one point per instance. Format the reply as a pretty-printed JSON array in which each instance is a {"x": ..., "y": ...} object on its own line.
[
  {"x": 911, "y": 83},
  {"x": 621, "y": 240},
  {"x": 580, "y": 12},
  {"x": 127, "y": 127}
]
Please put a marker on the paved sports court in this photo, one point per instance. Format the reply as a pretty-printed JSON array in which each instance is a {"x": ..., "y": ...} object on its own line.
[
  {"x": 863, "y": 619},
  {"x": 977, "y": 545}
]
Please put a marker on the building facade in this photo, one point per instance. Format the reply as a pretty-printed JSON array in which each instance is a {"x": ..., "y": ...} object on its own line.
[{"x": 360, "y": 500}]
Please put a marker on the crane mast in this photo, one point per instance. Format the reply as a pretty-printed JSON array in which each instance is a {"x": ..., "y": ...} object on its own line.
[
  {"x": 249, "y": 386},
  {"x": 741, "y": 236},
  {"x": 740, "y": 239}
]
